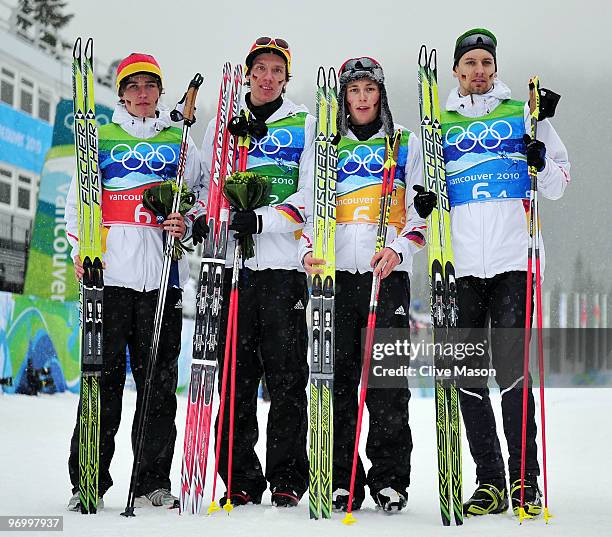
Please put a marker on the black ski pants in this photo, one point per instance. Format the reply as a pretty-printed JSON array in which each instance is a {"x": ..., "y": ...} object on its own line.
[
  {"x": 389, "y": 442},
  {"x": 128, "y": 321},
  {"x": 500, "y": 301},
  {"x": 271, "y": 342}
]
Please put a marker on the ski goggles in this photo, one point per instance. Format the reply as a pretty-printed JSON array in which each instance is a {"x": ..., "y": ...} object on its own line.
[
  {"x": 272, "y": 43},
  {"x": 364, "y": 66},
  {"x": 476, "y": 40}
]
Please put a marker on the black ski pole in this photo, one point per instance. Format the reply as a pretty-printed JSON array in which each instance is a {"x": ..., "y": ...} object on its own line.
[{"x": 188, "y": 120}]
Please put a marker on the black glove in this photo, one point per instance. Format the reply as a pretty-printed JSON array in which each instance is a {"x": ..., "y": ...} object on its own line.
[
  {"x": 424, "y": 202},
  {"x": 536, "y": 152},
  {"x": 241, "y": 126},
  {"x": 199, "y": 230},
  {"x": 245, "y": 222}
]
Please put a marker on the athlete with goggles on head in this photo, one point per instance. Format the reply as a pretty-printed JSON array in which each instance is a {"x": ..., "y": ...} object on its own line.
[
  {"x": 364, "y": 121},
  {"x": 138, "y": 149},
  {"x": 273, "y": 295},
  {"x": 487, "y": 153}
]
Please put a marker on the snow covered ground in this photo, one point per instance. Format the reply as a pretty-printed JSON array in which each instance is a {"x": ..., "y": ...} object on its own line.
[{"x": 35, "y": 434}]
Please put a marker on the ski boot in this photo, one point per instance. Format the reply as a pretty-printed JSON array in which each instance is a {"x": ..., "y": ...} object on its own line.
[
  {"x": 390, "y": 500},
  {"x": 532, "y": 501},
  {"x": 240, "y": 498},
  {"x": 284, "y": 497},
  {"x": 488, "y": 499},
  {"x": 74, "y": 504},
  {"x": 340, "y": 499}
]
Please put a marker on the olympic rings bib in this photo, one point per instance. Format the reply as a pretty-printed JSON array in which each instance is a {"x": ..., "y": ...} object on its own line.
[
  {"x": 360, "y": 173},
  {"x": 277, "y": 155},
  {"x": 485, "y": 156},
  {"x": 130, "y": 165}
]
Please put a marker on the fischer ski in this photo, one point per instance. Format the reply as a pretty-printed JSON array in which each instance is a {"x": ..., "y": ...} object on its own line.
[
  {"x": 188, "y": 120},
  {"x": 92, "y": 284},
  {"x": 322, "y": 299},
  {"x": 443, "y": 293},
  {"x": 209, "y": 301}
]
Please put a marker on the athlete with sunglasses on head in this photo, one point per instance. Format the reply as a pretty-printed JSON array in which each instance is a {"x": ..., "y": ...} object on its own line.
[
  {"x": 271, "y": 317},
  {"x": 364, "y": 120},
  {"x": 486, "y": 159}
]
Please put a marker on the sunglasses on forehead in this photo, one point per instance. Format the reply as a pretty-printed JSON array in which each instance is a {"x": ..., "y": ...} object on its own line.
[
  {"x": 477, "y": 39},
  {"x": 276, "y": 41},
  {"x": 359, "y": 64}
]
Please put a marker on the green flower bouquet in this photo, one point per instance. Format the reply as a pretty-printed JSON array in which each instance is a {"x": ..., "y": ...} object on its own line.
[
  {"x": 158, "y": 199},
  {"x": 247, "y": 191}
]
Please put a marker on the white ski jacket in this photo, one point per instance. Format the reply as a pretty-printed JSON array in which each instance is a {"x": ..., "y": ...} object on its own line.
[
  {"x": 491, "y": 237},
  {"x": 355, "y": 243},
  {"x": 134, "y": 254},
  {"x": 276, "y": 245}
]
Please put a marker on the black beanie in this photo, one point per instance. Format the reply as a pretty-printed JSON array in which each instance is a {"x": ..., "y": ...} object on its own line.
[{"x": 476, "y": 38}]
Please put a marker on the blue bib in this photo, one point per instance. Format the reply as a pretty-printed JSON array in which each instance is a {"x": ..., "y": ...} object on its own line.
[{"x": 485, "y": 156}]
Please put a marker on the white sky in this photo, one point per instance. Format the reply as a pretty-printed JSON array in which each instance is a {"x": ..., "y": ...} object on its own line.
[{"x": 187, "y": 36}]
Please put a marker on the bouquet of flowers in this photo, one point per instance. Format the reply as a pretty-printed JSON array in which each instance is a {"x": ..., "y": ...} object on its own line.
[
  {"x": 246, "y": 191},
  {"x": 158, "y": 199}
]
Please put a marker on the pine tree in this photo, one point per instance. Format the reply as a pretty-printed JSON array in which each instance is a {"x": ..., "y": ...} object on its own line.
[{"x": 50, "y": 16}]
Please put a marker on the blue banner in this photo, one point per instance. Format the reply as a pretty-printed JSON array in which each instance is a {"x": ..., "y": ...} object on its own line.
[
  {"x": 63, "y": 130},
  {"x": 49, "y": 274},
  {"x": 24, "y": 140}
]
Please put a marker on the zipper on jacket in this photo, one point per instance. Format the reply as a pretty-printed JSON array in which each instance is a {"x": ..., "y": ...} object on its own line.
[
  {"x": 144, "y": 264},
  {"x": 355, "y": 252},
  {"x": 484, "y": 268}
]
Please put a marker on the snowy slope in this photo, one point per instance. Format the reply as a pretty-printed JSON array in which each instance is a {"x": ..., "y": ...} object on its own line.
[{"x": 34, "y": 477}]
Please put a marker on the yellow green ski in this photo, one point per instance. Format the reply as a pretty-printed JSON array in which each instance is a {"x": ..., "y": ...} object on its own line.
[
  {"x": 89, "y": 197},
  {"x": 322, "y": 299},
  {"x": 443, "y": 293}
]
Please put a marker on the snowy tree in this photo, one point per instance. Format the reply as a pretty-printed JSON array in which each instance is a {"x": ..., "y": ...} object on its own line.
[{"x": 49, "y": 14}]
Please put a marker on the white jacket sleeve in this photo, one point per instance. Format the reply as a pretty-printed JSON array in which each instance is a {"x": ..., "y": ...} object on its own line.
[
  {"x": 289, "y": 215},
  {"x": 412, "y": 237},
  {"x": 305, "y": 242},
  {"x": 192, "y": 179},
  {"x": 555, "y": 176},
  {"x": 206, "y": 154}
]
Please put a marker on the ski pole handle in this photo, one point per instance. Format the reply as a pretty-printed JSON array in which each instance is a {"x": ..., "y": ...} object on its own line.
[
  {"x": 534, "y": 98},
  {"x": 190, "y": 98}
]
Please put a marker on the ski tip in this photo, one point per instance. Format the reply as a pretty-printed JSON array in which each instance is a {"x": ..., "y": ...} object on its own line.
[
  {"x": 76, "y": 51},
  {"x": 89, "y": 49},
  {"x": 332, "y": 79},
  {"x": 433, "y": 60},
  {"x": 228, "y": 507},
  {"x": 321, "y": 82},
  {"x": 349, "y": 519},
  {"x": 423, "y": 56},
  {"x": 214, "y": 507}
]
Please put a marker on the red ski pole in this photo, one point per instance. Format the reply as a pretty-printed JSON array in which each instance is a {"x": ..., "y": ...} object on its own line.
[{"x": 383, "y": 222}]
